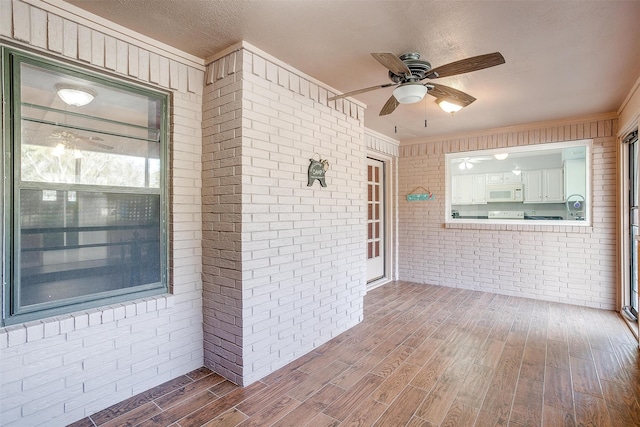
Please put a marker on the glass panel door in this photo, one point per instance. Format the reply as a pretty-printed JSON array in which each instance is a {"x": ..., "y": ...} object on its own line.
[
  {"x": 375, "y": 220},
  {"x": 634, "y": 224}
]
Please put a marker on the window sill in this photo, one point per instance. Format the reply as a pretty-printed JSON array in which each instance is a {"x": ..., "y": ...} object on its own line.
[
  {"x": 23, "y": 333},
  {"x": 521, "y": 225}
]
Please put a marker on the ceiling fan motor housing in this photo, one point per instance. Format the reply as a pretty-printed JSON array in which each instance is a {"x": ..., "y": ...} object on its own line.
[{"x": 418, "y": 67}]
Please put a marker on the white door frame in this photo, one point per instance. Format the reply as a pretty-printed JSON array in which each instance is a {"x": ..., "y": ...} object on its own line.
[
  {"x": 390, "y": 218},
  {"x": 624, "y": 241}
]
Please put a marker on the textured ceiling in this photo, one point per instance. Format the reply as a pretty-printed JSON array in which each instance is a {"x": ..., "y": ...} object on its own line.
[{"x": 563, "y": 58}]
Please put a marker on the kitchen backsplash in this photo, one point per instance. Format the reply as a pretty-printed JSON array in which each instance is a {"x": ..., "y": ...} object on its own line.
[{"x": 540, "y": 209}]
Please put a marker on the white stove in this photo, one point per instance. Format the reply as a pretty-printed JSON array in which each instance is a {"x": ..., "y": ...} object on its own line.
[{"x": 506, "y": 215}]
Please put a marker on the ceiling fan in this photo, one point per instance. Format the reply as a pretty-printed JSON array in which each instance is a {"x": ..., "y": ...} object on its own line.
[
  {"x": 468, "y": 162},
  {"x": 407, "y": 71},
  {"x": 73, "y": 139},
  {"x": 471, "y": 159}
]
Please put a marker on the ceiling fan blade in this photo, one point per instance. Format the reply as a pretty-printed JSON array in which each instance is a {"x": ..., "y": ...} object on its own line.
[
  {"x": 89, "y": 139},
  {"x": 441, "y": 91},
  {"x": 474, "y": 63},
  {"x": 75, "y": 139},
  {"x": 393, "y": 63},
  {"x": 356, "y": 92},
  {"x": 390, "y": 106},
  {"x": 96, "y": 144}
]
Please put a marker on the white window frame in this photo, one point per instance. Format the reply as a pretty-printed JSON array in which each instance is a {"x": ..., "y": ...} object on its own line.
[{"x": 587, "y": 222}]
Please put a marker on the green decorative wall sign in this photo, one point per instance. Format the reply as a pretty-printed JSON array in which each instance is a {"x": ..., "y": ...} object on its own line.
[{"x": 414, "y": 196}]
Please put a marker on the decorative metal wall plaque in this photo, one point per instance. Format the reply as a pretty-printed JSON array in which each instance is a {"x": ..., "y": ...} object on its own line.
[{"x": 317, "y": 169}]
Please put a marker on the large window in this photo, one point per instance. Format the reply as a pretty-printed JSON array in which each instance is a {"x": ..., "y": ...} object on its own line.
[
  {"x": 543, "y": 183},
  {"x": 85, "y": 202}
]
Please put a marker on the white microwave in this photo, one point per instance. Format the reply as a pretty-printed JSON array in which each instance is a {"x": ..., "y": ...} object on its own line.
[{"x": 505, "y": 193}]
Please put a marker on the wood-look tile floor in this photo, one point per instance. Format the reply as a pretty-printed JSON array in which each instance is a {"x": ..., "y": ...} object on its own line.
[{"x": 425, "y": 356}]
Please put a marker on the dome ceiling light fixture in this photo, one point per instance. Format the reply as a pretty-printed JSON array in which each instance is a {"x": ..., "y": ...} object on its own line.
[
  {"x": 410, "y": 93},
  {"x": 501, "y": 156},
  {"x": 449, "y": 105},
  {"x": 73, "y": 95}
]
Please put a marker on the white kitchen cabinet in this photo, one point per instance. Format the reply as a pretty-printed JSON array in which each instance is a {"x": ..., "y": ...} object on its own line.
[
  {"x": 494, "y": 178},
  {"x": 532, "y": 186},
  {"x": 543, "y": 186},
  {"x": 479, "y": 187},
  {"x": 510, "y": 178},
  {"x": 553, "y": 185},
  {"x": 461, "y": 189},
  {"x": 468, "y": 189}
]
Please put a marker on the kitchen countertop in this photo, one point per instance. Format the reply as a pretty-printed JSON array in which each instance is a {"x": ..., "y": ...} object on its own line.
[
  {"x": 529, "y": 217},
  {"x": 544, "y": 217}
]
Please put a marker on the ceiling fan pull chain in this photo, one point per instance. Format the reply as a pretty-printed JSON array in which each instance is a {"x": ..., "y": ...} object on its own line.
[{"x": 425, "y": 114}]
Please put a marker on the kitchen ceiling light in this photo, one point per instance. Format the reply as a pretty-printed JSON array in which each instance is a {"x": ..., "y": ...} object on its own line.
[
  {"x": 448, "y": 106},
  {"x": 75, "y": 96},
  {"x": 516, "y": 172},
  {"x": 410, "y": 93},
  {"x": 465, "y": 165},
  {"x": 501, "y": 156}
]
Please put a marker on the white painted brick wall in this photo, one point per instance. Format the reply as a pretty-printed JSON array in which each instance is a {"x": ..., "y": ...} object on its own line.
[
  {"x": 58, "y": 370},
  {"x": 379, "y": 143},
  {"x": 575, "y": 265},
  {"x": 297, "y": 276},
  {"x": 221, "y": 178}
]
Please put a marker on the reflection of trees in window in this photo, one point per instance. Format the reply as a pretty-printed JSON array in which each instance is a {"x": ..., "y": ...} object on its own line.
[{"x": 93, "y": 168}]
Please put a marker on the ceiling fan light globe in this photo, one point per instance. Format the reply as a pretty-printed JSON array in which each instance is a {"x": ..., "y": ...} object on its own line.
[
  {"x": 466, "y": 165},
  {"x": 448, "y": 106},
  {"x": 58, "y": 150},
  {"x": 75, "y": 96},
  {"x": 410, "y": 93}
]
